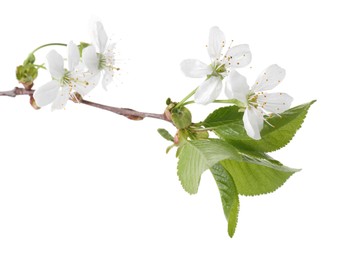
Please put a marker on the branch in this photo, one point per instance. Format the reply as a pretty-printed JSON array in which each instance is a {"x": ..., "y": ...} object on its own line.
[
  {"x": 126, "y": 112},
  {"x": 16, "y": 92}
]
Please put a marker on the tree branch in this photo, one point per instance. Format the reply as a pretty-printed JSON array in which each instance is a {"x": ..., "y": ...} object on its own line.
[
  {"x": 16, "y": 92},
  {"x": 126, "y": 112}
]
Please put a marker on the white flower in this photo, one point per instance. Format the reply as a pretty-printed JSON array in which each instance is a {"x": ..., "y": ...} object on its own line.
[
  {"x": 235, "y": 57},
  {"x": 102, "y": 62},
  {"x": 257, "y": 102},
  {"x": 65, "y": 82}
]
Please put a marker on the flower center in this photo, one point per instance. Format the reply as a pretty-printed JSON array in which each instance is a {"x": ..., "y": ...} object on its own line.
[
  {"x": 218, "y": 69},
  {"x": 66, "y": 79},
  {"x": 253, "y": 100},
  {"x": 102, "y": 62},
  {"x": 107, "y": 62}
]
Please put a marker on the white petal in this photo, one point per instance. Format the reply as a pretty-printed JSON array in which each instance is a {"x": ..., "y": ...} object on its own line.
[
  {"x": 208, "y": 91},
  {"x": 238, "y": 56},
  {"x": 236, "y": 87},
  {"x": 107, "y": 78},
  {"x": 87, "y": 82},
  {"x": 269, "y": 78},
  {"x": 90, "y": 58},
  {"x": 61, "y": 99},
  {"x": 195, "y": 68},
  {"x": 47, "y": 93},
  {"x": 274, "y": 102},
  {"x": 73, "y": 56},
  {"x": 55, "y": 64},
  {"x": 100, "y": 36},
  {"x": 253, "y": 122},
  {"x": 215, "y": 43}
]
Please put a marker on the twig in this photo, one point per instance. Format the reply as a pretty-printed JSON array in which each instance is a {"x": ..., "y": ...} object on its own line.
[
  {"x": 16, "y": 92},
  {"x": 126, "y": 112}
]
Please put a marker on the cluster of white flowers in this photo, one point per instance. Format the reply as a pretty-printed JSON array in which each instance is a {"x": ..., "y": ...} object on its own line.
[
  {"x": 222, "y": 71},
  {"x": 83, "y": 73}
]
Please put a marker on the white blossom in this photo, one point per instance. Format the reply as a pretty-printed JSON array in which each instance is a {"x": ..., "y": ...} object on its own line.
[
  {"x": 65, "y": 82},
  {"x": 101, "y": 60},
  {"x": 257, "y": 102},
  {"x": 235, "y": 57}
]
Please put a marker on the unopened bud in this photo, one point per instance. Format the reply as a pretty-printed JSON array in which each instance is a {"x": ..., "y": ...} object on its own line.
[
  {"x": 181, "y": 117},
  {"x": 30, "y": 59},
  {"x": 26, "y": 74}
]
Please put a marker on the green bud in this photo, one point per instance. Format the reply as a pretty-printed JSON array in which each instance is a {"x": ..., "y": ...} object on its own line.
[
  {"x": 26, "y": 73},
  {"x": 181, "y": 117},
  {"x": 30, "y": 59}
]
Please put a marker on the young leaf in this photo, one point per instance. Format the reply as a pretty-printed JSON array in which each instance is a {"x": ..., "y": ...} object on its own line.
[
  {"x": 228, "y": 195},
  {"x": 257, "y": 174},
  {"x": 165, "y": 134},
  {"x": 196, "y": 156},
  {"x": 230, "y": 127}
]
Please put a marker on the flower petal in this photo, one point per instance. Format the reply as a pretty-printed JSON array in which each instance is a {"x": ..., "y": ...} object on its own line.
[
  {"x": 208, "y": 91},
  {"x": 61, "y": 99},
  {"x": 73, "y": 56},
  {"x": 47, "y": 93},
  {"x": 236, "y": 87},
  {"x": 215, "y": 43},
  {"x": 87, "y": 82},
  {"x": 107, "y": 78},
  {"x": 274, "y": 102},
  {"x": 55, "y": 64},
  {"x": 269, "y": 78},
  {"x": 238, "y": 56},
  {"x": 99, "y": 36},
  {"x": 90, "y": 58},
  {"x": 253, "y": 122},
  {"x": 195, "y": 68}
]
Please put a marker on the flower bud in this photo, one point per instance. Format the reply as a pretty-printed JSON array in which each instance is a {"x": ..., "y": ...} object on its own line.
[
  {"x": 181, "y": 117},
  {"x": 30, "y": 59},
  {"x": 26, "y": 74}
]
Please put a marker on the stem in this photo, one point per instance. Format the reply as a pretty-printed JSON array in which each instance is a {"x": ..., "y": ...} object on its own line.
[
  {"x": 126, "y": 112},
  {"x": 182, "y": 102},
  {"x": 223, "y": 101},
  {"x": 188, "y": 103},
  {"x": 49, "y": 44},
  {"x": 230, "y": 101}
]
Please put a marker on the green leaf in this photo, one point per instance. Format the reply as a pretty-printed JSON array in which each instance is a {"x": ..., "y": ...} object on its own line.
[
  {"x": 228, "y": 195},
  {"x": 257, "y": 173},
  {"x": 228, "y": 125},
  {"x": 223, "y": 116},
  {"x": 196, "y": 156},
  {"x": 165, "y": 134}
]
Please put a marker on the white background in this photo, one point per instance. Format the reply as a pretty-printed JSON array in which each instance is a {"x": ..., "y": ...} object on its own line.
[{"x": 87, "y": 184}]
